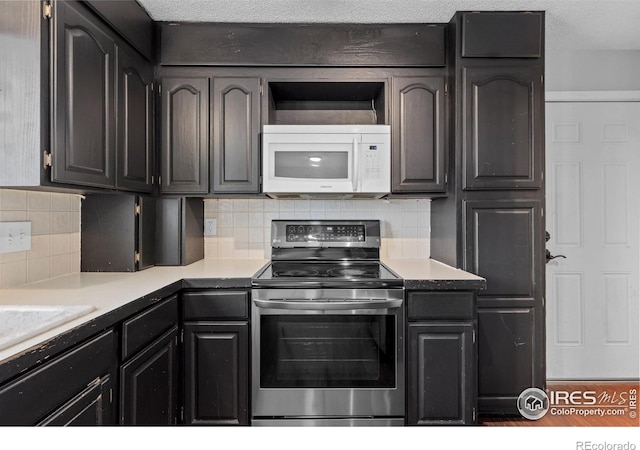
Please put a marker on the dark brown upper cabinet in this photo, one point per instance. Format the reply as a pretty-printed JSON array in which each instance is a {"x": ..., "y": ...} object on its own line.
[
  {"x": 235, "y": 130},
  {"x": 502, "y": 35},
  {"x": 135, "y": 122},
  {"x": 418, "y": 134},
  {"x": 185, "y": 136},
  {"x": 503, "y": 142},
  {"x": 84, "y": 117}
]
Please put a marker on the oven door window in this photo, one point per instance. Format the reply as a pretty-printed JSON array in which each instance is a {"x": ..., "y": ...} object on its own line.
[{"x": 337, "y": 351}]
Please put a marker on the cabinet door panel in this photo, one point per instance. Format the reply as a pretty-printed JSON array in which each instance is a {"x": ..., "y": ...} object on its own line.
[
  {"x": 503, "y": 243},
  {"x": 418, "y": 134},
  {"x": 185, "y": 135},
  {"x": 135, "y": 122},
  {"x": 84, "y": 112},
  {"x": 216, "y": 373},
  {"x": 441, "y": 358},
  {"x": 502, "y": 130},
  {"x": 92, "y": 407},
  {"x": 149, "y": 385},
  {"x": 235, "y": 131},
  {"x": 510, "y": 357}
]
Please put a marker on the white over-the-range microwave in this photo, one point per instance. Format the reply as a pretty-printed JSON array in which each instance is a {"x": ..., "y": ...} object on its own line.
[{"x": 326, "y": 161}]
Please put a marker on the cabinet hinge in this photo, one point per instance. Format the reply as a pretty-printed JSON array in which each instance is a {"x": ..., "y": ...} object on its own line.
[
  {"x": 137, "y": 257},
  {"x": 152, "y": 180},
  {"x": 46, "y": 159},
  {"x": 159, "y": 181},
  {"x": 137, "y": 209},
  {"x": 46, "y": 10}
]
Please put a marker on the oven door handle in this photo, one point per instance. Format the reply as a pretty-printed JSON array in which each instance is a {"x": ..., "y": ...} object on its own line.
[{"x": 309, "y": 305}]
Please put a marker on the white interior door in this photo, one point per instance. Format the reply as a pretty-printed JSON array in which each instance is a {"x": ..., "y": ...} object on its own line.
[{"x": 593, "y": 197}]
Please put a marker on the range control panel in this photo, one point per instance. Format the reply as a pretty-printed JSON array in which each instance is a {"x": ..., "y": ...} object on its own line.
[{"x": 325, "y": 233}]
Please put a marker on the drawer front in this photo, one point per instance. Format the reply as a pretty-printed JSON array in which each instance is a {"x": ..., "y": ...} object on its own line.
[
  {"x": 441, "y": 305},
  {"x": 146, "y": 327},
  {"x": 214, "y": 305},
  {"x": 38, "y": 393}
]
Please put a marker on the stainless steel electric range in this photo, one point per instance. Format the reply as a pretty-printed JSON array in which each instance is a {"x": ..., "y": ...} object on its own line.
[{"x": 327, "y": 328}]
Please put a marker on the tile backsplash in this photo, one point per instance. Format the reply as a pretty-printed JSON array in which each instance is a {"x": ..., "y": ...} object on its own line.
[
  {"x": 244, "y": 225},
  {"x": 243, "y": 228},
  {"x": 55, "y": 236}
]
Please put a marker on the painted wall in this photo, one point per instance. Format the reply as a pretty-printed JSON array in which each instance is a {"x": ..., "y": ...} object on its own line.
[
  {"x": 592, "y": 70},
  {"x": 55, "y": 236}
]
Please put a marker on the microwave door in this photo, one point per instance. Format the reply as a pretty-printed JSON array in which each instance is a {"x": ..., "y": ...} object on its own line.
[{"x": 304, "y": 163}]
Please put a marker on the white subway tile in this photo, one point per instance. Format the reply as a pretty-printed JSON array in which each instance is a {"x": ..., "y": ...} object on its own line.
[
  {"x": 225, "y": 205},
  {"x": 13, "y": 274},
  {"x": 39, "y": 201},
  {"x": 256, "y": 235},
  {"x": 61, "y": 222},
  {"x": 271, "y": 205},
  {"x": 241, "y": 235},
  {"x": 38, "y": 269},
  {"x": 241, "y": 205},
  {"x": 13, "y": 200},
  {"x": 256, "y": 219},
  {"x": 225, "y": 219},
  {"x": 60, "y": 202},
  {"x": 256, "y": 205},
  {"x": 240, "y": 219},
  {"x": 301, "y": 205},
  {"x": 40, "y": 222}
]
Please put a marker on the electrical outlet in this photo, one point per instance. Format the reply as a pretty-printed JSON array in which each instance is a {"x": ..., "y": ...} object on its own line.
[
  {"x": 210, "y": 227},
  {"x": 15, "y": 237}
]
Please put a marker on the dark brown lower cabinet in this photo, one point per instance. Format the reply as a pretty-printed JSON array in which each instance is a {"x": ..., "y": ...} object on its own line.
[
  {"x": 216, "y": 373},
  {"x": 149, "y": 384},
  {"x": 92, "y": 407},
  {"x": 149, "y": 372},
  {"x": 73, "y": 388},
  {"x": 441, "y": 358}
]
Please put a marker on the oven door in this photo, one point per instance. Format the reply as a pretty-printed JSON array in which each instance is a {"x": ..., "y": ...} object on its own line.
[{"x": 333, "y": 357}]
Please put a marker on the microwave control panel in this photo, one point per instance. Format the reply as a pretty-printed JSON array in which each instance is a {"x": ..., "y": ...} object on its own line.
[{"x": 372, "y": 165}]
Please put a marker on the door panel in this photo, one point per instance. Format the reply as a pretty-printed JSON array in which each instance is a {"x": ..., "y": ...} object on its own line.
[
  {"x": 135, "y": 122},
  {"x": 502, "y": 142},
  {"x": 84, "y": 118},
  {"x": 593, "y": 220},
  {"x": 504, "y": 245},
  {"x": 418, "y": 135},
  {"x": 235, "y": 131},
  {"x": 185, "y": 135}
]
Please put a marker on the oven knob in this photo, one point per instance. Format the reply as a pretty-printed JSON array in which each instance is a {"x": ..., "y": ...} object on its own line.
[
  {"x": 292, "y": 237},
  {"x": 301, "y": 229},
  {"x": 292, "y": 229}
]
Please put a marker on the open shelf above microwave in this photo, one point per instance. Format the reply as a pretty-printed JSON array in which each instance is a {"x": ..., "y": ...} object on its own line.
[{"x": 327, "y": 103}]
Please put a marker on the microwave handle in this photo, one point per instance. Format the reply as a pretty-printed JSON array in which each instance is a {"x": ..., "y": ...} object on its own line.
[{"x": 356, "y": 168}]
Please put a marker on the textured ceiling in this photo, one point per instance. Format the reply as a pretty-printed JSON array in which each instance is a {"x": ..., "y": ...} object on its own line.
[{"x": 570, "y": 24}]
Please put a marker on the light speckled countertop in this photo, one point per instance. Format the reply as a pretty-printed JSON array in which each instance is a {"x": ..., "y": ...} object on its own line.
[{"x": 109, "y": 291}]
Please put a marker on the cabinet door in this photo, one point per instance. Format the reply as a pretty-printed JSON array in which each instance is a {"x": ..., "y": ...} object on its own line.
[
  {"x": 503, "y": 126},
  {"x": 235, "y": 130},
  {"x": 83, "y": 99},
  {"x": 418, "y": 123},
  {"x": 185, "y": 136},
  {"x": 504, "y": 244},
  {"x": 510, "y": 357},
  {"x": 149, "y": 384},
  {"x": 441, "y": 374},
  {"x": 92, "y": 407},
  {"x": 216, "y": 373},
  {"x": 135, "y": 121}
]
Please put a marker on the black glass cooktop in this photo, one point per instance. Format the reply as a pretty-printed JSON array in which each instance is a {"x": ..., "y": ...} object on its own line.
[{"x": 294, "y": 272}]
